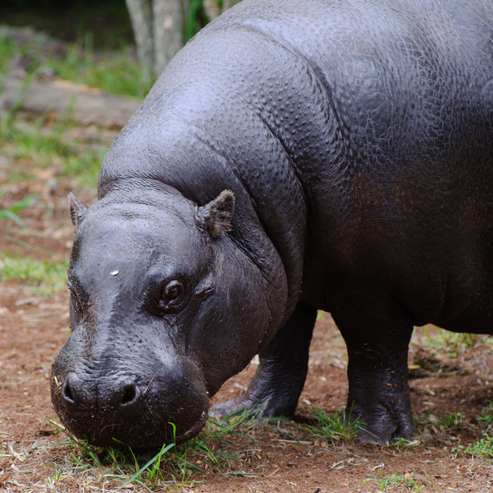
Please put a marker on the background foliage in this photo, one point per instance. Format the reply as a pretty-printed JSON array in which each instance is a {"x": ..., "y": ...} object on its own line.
[{"x": 107, "y": 20}]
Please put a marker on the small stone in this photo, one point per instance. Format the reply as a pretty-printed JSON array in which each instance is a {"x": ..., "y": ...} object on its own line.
[{"x": 114, "y": 272}]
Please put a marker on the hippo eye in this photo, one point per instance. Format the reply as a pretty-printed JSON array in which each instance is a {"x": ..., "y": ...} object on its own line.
[
  {"x": 173, "y": 296},
  {"x": 173, "y": 290}
]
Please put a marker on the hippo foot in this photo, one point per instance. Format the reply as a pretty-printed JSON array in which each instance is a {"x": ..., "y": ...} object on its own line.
[
  {"x": 381, "y": 401},
  {"x": 383, "y": 426},
  {"x": 266, "y": 407},
  {"x": 377, "y": 332}
]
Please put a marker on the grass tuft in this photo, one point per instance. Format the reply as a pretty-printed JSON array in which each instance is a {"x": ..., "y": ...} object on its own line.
[
  {"x": 11, "y": 212},
  {"x": 403, "y": 442},
  {"x": 337, "y": 428},
  {"x": 47, "y": 277},
  {"x": 481, "y": 448},
  {"x": 453, "y": 343},
  {"x": 384, "y": 481},
  {"x": 451, "y": 420},
  {"x": 487, "y": 414}
]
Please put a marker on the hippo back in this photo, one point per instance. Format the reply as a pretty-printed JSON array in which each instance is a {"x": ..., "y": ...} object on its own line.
[{"x": 360, "y": 129}]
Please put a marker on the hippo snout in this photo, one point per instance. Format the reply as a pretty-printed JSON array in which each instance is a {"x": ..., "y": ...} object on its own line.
[
  {"x": 111, "y": 407},
  {"x": 117, "y": 394}
]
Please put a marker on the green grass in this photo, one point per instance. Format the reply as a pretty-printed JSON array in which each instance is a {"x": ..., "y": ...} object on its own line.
[
  {"x": 172, "y": 464},
  {"x": 43, "y": 276},
  {"x": 333, "y": 429},
  {"x": 38, "y": 145},
  {"x": 32, "y": 143},
  {"x": 384, "y": 481},
  {"x": 453, "y": 343},
  {"x": 445, "y": 423},
  {"x": 403, "y": 442},
  {"x": 114, "y": 74},
  {"x": 8, "y": 48},
  {"x": 480, "y": 448},
  {"x": 483, "y": 447},
  {"x": 451, "y": 421},
  {"x": 487, "y": 414},
  {"x": 11, "y": 212}
]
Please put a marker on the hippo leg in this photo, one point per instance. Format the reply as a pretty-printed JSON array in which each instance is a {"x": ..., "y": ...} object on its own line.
[
  {"x": 377, "y": 333},
  {"x": 281, "y": 375}
]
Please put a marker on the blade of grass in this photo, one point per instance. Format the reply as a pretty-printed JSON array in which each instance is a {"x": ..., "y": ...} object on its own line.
[
  {"x": 10, "y": 213},
  {"x": 150, "y": 462}
]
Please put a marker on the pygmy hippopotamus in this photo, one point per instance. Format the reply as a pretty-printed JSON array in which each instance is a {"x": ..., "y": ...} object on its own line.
[{"x": 295, "y": 156}]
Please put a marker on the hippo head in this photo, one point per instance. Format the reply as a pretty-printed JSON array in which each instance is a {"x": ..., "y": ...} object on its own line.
[{"x": 164, "y": 309}]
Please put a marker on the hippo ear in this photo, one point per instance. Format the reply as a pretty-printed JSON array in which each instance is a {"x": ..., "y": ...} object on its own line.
[
  {"x": 77, "y": 210},
  {"x": 217, "y": 216}
]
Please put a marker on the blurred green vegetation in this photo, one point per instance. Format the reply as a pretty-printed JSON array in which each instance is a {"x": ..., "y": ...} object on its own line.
[
  {"x": 106, "y": 21},
  {"x": 115, "y": 72},
  {"x": 42, "y": 276},
  {"x": 101, "y": 52},
  {"x": 29, "y": 145},
  {"x": 70, "y": 20},
  {"x": 11, "y": 212}
]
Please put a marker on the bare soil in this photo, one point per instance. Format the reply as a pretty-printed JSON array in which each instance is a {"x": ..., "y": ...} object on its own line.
[{"x": 271, "y": 458}]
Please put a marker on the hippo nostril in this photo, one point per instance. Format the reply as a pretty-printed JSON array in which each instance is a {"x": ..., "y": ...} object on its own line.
[
  {"x": 129, "y": 394},
  {"x": 67, "y": 393}
]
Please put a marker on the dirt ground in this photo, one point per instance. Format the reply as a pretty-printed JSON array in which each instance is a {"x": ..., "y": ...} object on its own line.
[{"x": 280, "y": 458}]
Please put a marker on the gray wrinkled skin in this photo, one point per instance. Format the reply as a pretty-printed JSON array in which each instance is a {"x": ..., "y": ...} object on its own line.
[{"x": 295, "y": 155}]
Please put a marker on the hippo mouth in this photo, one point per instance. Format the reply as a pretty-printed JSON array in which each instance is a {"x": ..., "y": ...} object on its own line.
[
  {"x": 143, "y": 430},
  {"x": 194, "y": 430}
]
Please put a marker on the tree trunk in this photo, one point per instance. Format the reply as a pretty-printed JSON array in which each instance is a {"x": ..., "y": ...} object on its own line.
[
  {"x": 168, "y": 29},
  {"x": 141, "y": 18},
  {"x": 227, "y": 4},
  {"x": 212, "y": 9},
  {"x": 159, "y": 29}
]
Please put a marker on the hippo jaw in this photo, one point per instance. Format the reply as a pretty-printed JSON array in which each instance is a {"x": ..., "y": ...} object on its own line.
[{"x": 152, "y": 320}]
